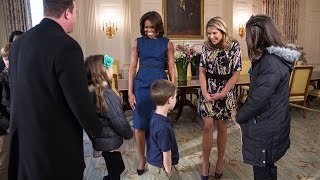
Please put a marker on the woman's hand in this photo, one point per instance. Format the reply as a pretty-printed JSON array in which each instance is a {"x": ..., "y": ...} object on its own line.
[
  {"x": 218, "y": 96},
  {"x": 132, "y": 101},
  {"x": 208, "y": 97}
]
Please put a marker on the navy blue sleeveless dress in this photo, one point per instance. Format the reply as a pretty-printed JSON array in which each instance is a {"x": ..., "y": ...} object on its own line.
[{"x": 152, "y": 55}]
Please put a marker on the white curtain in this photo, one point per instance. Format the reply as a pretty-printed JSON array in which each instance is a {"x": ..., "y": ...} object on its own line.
[{"x": 86, "y": 27}]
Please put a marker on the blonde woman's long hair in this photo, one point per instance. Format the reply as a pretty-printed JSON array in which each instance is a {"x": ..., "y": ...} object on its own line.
[
  {"x": 219, "y": 23},
  {"x": 98, "y": 78}
]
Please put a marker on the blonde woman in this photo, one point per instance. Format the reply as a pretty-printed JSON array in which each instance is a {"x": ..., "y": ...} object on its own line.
[{"x": 220, "y": 66}]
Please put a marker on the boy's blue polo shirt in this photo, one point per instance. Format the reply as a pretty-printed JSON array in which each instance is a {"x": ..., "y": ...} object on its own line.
[{"x": 161, "y": 139}]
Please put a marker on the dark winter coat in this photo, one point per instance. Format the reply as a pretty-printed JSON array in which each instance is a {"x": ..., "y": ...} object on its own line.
[
  {"x": 115, "y": 126},
  {"x": 5, "y": 102},
  {"x": 265, "y": 116},
  {"x": 50, "y": 105}
]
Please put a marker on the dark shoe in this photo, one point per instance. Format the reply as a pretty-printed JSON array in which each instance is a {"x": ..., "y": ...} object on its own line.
[
  {"x": 217, "y": 175},
  {"x": 140, "y": 171},
  {"x": 204, "y": 177}
]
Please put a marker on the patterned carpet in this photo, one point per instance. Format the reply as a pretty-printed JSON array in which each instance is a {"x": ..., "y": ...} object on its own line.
[{"x": 301, "y": 162}]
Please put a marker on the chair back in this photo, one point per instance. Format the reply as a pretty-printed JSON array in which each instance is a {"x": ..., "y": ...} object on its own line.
[
  {"x": 299, "y": 82},
  {"x": 299, "y": 85},
  {"x": 114, "y": 82}
]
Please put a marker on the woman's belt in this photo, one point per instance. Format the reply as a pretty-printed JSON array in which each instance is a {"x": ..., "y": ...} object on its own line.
[
  {"x": 218, "y": 76},
  {"x": 151, "y": 66}
]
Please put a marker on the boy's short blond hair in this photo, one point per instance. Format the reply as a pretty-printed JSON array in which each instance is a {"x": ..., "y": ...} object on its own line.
[
  {"x": 5, "y": 50},
  {"x": 161, "y": 91}
]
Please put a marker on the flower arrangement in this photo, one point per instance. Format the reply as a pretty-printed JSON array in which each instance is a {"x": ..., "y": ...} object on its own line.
[
  {"x": 302, "y": 59},
  {"x": 184, "y": 53}
]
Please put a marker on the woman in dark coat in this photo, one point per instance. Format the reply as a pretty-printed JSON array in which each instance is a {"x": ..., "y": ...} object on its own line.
[{"x": 265, "y": 116}]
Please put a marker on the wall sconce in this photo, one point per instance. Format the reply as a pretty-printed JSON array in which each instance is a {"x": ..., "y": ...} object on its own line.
[
  {"x": 242, "y": 31},
  {"x": 110, "y": 29}
]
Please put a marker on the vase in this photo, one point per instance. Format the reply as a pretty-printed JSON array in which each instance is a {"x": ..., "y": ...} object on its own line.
[{"x": 182, "y": 67}]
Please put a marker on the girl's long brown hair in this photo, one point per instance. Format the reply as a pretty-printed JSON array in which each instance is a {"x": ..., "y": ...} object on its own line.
[
  {"x": 98, "y": 78},
  {"x": 261, "y": 32}
]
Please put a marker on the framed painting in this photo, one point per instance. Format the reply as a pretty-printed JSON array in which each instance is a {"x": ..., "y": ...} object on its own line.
[{"x": 183, "y": 19}]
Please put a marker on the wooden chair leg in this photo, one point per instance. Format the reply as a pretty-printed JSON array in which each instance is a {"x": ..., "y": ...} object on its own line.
[{"x": 304, "y": 111}]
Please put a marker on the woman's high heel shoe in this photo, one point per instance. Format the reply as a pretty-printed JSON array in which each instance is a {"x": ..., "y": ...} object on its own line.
[
  {"x": 217, "y": 175},
  {"x": 141, "y": 171},
  {"x": 205, "y": 177}
]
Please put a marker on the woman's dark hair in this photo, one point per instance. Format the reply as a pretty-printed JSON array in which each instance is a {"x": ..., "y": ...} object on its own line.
[
  {"x": 55, "y": 8},
  {"x": 261, "y": 32},
  {"x": 156, "y": 21},
  {"x": 13, "y": 34}
]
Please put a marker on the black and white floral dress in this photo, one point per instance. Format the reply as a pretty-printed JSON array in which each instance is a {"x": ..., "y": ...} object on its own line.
[{"x": 219, "y": 63}]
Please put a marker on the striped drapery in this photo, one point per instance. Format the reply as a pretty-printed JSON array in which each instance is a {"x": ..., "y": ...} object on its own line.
[
  {"x": 18, "y": 15},
  {"x": 285, "y": 15}
]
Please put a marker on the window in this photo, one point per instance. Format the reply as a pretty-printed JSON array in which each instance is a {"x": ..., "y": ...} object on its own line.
[{"x": 36, "y": 7}]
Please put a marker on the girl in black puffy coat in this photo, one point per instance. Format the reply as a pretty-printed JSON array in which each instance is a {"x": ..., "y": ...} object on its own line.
[
  {"x": 114, "y": 125},
  {"x": 265, "y": 116}
]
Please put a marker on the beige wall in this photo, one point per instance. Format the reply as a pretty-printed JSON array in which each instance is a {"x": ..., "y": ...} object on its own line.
[
  {"x": 309, "y": 30},
  {"x": 233, "y": 11},
  {"x": 119, "y": 46}
]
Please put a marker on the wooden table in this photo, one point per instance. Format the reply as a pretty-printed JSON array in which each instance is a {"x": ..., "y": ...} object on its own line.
[
  {"x": 183, "y": 88},
  {"x": 315, "y": 77},
  {"x": 244, "y": 79}
]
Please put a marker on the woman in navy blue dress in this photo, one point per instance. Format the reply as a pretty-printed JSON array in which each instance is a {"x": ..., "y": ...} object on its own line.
[{"x": 152, "y": 49}]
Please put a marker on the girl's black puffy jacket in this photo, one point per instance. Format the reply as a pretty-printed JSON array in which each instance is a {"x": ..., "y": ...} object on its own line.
[
  {"x": 115, "y": 126},
  {"x": 265, "y": 116}
]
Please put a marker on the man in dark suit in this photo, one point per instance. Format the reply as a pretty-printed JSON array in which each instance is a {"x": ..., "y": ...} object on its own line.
[{"x": 50, "y": 102}]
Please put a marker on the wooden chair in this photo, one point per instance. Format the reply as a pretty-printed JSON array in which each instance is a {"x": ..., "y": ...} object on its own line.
[
  {"x": 114, "y": 82},
  {"x": 299, "y": 85}
]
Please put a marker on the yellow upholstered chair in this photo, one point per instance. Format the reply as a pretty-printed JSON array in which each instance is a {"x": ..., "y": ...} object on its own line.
[
  {"x": 115, "y": 67},
  {"x": 114, "y": 82},
  {"x": 245, "y": 66},
  {"x": 244, "y": 89},
  {"x": 299, "y": 85}
]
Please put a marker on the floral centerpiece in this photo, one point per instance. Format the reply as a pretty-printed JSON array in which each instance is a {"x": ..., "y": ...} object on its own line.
[
  {"x": 184, "y": 54},
  {"x": 302, "y": 59}
]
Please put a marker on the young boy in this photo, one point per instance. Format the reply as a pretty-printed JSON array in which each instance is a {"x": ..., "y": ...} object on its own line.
[
  {"x": 4, "y": 114},
  {"x": 162, "y": 148}
]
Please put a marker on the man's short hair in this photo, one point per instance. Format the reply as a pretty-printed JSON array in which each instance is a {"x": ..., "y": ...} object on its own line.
[
  {"x": 55, "y": 8},
  {"x": 161, "y": 91},
  {"x": 5, "y": 50}
]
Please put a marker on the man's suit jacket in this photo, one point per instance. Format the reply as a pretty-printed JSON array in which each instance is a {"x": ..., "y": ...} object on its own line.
[{"x": 50, "y": 105}]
